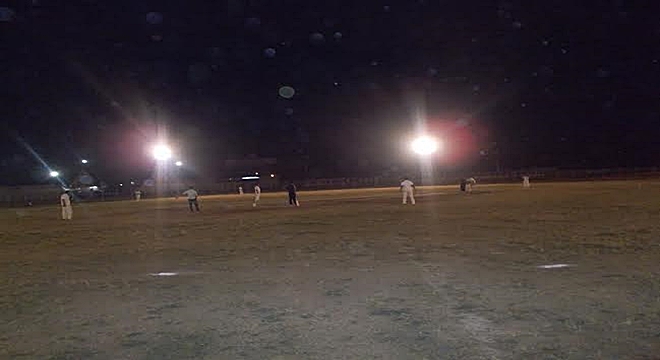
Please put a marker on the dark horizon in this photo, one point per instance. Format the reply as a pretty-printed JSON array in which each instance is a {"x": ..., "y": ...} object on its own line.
[{"x": 541, "y": 85}]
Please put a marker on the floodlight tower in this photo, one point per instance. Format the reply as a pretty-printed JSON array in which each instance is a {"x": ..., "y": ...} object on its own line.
[
  {"x": 162, "y": 153},
  {"x": 425, "y": 146}
]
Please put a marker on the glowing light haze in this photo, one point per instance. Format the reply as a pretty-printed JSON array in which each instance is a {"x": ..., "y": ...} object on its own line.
[
  {"x": 425, "y": 145},
  {"x": 162, "y": 152}
]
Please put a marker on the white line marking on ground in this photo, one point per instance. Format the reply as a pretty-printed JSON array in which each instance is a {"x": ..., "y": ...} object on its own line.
[
  {"x": 555, "y": 266},
  {"x": 164, "y": 274}
]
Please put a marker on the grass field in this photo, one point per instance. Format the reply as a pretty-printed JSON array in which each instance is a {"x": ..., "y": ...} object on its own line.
[{"x": 349, "y": 275}]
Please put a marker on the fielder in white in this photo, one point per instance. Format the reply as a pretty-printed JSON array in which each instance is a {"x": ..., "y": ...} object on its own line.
[
  {"x": 65, "y": 203},
  {"x": 408, "y": 188},
  {"x": 240, "y": 190},
  {"x": 257, "y": 195},
  {"x": 138, "y": 195},
  {"x": 192, "y": 195},
  {"x": 469, "y": 183},
  {"x": 526, "y": 182}
]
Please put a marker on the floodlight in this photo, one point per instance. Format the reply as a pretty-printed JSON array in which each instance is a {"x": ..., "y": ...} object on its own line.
[
  {"x": 84, "y": 161},
  {"x": 54, "y": 174},
  {"x": 178, "y": 163},
  {"x": 162, "y": 152},
  {"x": 425, "y": 145}
]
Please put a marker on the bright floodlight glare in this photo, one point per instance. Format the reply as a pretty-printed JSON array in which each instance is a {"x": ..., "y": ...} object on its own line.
[
  {"x": 178, "y": 163},
  {"x": 54, "y": 174},
  {"x": 272, "y": 175},
  {"x": 84, "y": 161},
  {"x": 162, "y": 152},
  {"x": 425, "y": 145}
]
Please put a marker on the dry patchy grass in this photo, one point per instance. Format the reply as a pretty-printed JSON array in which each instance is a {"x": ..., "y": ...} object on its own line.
[{"x": 349, "y": 275}]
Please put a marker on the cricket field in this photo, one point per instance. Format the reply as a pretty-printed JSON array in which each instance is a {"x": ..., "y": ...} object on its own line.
[{"x": 558, "y": 271}]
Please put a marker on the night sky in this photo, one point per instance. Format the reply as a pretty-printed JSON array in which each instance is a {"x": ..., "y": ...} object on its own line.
[{"x": 570, "y": 84}]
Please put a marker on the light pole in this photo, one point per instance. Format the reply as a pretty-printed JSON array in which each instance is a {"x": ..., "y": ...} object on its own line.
[
  {"x": 162, "y": 153},
  {"x": 56, "y": 175},
  {"x": 425, "y": 147},
  {"x": 178, "y": 164}
]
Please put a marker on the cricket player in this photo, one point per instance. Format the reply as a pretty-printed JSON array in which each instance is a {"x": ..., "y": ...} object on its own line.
[
  {"x": 526, "y": 184},
  {"x": 469, "y": 183},
  {"x": 65, "y": 203},
  {"x": 407, "y": 188},
  {"x": 138, "y": 195},
  {"x": 293, "y": 196},
  {"x": 257, "y": 194},
  {"x": 192, "y": 195},
  {"x": 240, "y": 190}
]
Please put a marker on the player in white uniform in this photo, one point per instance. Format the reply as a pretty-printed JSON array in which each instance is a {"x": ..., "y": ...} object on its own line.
[
  {"x": 65, "y": 203},
  {"x": 240, "y": 190},
  {"x": 469, "y": 183},
  {"x": 192, "y": 198},
  {"x": 138, "y": 195},
  {"x": 257, "y": 195},
  {"x": 407, "y": 189},
  {"x": 526, "y": 182}
]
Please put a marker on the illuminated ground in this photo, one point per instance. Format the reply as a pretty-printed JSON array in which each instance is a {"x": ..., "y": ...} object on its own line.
[{"x": 349, "y": 275}]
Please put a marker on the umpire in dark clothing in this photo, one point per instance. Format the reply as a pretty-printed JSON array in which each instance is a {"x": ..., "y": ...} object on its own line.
[{"x": 293, "y": 197}]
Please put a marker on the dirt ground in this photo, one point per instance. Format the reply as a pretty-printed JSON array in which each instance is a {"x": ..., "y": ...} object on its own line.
[{"x": 349, "y": 275}]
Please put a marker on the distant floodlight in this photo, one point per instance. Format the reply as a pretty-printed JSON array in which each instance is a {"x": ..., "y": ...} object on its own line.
[
  {"x": 272, "y": 175},
  {"x": 178, "y": 163},
  {"x": 54, "y": 174},
  {"x": 84, "y": 161},
  {"x": 425, "y": 145},
  {"x": 162, "y": 152},
  {"x": 250, "y": 178}
]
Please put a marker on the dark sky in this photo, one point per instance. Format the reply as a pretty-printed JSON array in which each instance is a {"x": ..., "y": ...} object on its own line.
[{"x": 552, "y": 83}]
